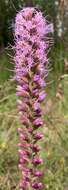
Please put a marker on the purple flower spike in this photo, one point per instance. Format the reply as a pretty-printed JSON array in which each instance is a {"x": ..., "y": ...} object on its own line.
[{"x": 31, "y": 44}]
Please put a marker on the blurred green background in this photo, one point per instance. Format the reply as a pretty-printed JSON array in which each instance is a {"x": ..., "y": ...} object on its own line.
[{"x": 55, "y": 144}]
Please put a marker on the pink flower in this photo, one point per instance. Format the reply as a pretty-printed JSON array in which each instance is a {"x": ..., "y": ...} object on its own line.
[
  {"x": 42, "y": 96},
  {"x": 35, "y": 147},
  {"x": 37, "y": 173},
  {"x": 37, "y": 161},
  {"x": 25, "y": 120},
  {"x": 38, "y": 136},
  {"x": 36, "y": 105},
  {"x": 31, "y": 44},
  {"x": 37, "y": 185},
  {"x": 38, "y": 122}
]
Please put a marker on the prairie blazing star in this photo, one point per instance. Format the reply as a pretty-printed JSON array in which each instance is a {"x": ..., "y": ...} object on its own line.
[{"x": 31, "y": 29}]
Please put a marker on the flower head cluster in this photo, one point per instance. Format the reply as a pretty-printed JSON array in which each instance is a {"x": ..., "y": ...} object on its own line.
[{"x": 31, "y": 29}]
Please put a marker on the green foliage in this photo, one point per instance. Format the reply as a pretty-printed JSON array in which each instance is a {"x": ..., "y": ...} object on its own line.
[
  {"x": 8, "y": 11},
  {"x": 5, "y": 67},
  {"x": 57, "y": 59}
]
